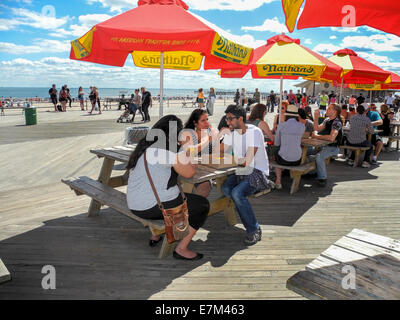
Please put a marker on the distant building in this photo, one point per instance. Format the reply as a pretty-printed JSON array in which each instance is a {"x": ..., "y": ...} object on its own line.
[{"x": 311, "y": 90}]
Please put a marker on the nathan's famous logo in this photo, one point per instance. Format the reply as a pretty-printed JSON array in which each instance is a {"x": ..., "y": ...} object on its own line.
[
  {"x": 172, "y": 60},
  {"x": 289, "y": 70},
  {"x": 230, "y": 51}
]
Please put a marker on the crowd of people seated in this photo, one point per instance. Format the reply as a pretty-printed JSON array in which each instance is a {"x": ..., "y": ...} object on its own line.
[{"x": 253, "y": 144}]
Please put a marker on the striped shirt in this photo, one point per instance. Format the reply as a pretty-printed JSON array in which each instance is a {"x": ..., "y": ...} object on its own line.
[{"x": 359, "y": 124}]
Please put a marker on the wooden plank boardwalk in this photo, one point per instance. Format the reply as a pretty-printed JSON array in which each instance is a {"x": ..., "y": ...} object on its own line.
[{"x": 107, "y": 257}]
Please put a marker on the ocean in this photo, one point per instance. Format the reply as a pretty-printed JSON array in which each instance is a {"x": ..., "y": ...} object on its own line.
[{"x": 104, "y": 92}]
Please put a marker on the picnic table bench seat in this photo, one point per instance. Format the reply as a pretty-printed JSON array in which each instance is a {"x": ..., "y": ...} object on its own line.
[
  {"x": 108, "y": 196},
  {"x": 295, "y": 172},
  {"x": 358, "y": 151}
]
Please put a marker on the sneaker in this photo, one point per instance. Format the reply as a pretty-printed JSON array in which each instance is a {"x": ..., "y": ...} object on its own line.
[
  {"x": 365, "y": 164},
  {"x": 350, "y": 162},
  {"x": 278, "y": 186},
  {"x": 373, "y": 162},
  {"x": 252, "y": 238},
  {"x": 259, "y": 233}
]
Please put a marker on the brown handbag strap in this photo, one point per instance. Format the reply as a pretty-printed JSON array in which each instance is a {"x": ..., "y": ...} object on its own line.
[{"x": 160, "y": 205}]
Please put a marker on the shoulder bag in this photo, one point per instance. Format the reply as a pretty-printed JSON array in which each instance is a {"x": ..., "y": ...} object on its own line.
[{"x": 176, "y": 219}]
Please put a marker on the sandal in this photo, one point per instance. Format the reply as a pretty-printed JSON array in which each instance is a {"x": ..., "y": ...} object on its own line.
[{"x": 153, "y": 243}]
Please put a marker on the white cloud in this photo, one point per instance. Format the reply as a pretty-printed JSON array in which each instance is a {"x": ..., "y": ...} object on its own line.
[
  {"x": 246, "y": 40},
  {"x": 345, "y": 29},
  {"x": 272, "y": 25},
  {"x": 38, "y": 46},
  {"x": 326, "y": 49},
  {"x": 44, "y": 72},
  {"x": 332, "y": 37},
  {"x": 25, "y": 17},
  {"x": 78, "y": 30},
  {"x": 308, "y": 41},
  {"x": 204, "y": 5},
  {"x": 376, "y": 42}
]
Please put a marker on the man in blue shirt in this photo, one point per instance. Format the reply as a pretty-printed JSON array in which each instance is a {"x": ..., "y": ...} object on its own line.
[{"x": 376, "y": 140}]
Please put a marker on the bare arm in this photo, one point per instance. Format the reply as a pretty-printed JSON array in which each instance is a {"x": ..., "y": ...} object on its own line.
[
  {"x": 184, "y": 166},
  {"x": 330, "y": 137},
  {"x": 377, "y": 123},
  {"x": 318, "y": 127},
  {"x": 250, "y": 154},
  {"x": 265, "y": 129}
]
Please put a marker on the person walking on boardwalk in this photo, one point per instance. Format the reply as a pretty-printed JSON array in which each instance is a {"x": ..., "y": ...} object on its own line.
[
  {"x": 63, "y": 99},
  {"x": 53, "y": 96},
  {"x": 147, "y": 102},
  {"x": 81, "y": 98}
]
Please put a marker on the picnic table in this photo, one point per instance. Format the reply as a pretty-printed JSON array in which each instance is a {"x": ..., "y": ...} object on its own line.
[
  {"x": 359, "y": 266},
  {"x": 104, "y": 190},
  {"x": 203, "y": 173},
  {"x": 310, "y": 142}
]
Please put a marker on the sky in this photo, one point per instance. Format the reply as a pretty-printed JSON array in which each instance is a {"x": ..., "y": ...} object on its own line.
[{"x": 35, "y": 40}]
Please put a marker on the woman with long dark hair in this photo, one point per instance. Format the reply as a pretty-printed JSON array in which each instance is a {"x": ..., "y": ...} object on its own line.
[
  {"x": 199, "y": 135},
  {"x": 256, "y": 118},
  {"x": 165, "y": 165}
]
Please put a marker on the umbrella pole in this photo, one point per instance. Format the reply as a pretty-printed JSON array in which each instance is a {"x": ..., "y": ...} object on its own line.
[
  {"x": 161, "y": 85},
  {"x": 370, "y": 97},
  {"x": 281, "y": 97},
  {"x": 341, "y": 91}
]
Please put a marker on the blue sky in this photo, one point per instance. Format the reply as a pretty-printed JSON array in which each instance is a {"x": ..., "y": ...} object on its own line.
[{"x": 35, "y": 37}]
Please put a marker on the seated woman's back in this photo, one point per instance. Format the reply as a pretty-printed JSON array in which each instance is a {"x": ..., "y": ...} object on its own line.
[
  {"x": 140, "y": 195},
  {"x": 288, "y": 136}
]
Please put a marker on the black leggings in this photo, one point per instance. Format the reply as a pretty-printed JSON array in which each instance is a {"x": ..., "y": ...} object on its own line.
[{"x": 198, "y": 206}]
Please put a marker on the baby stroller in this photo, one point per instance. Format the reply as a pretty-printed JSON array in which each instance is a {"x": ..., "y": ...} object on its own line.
[{"x": 125, "y": 117}]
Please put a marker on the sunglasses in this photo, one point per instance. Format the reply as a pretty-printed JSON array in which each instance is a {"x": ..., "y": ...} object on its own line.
[{"x": 230, "y": 118}]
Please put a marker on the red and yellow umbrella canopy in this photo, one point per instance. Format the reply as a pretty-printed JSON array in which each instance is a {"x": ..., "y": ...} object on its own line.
[
  {"x": 357, "y": 70},
  {"x": 153, "y": 27},
  {"x": 285, "y": 57},
  {"x": 382, "y": 15},
  {"x": 393, "y": 84}
]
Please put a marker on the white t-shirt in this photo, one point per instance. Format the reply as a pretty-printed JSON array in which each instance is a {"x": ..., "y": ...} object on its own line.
[
  {"x": 252, "y": 138},
  {"x": 389, "y": 100},
  {"x": 140, "y": 195}
]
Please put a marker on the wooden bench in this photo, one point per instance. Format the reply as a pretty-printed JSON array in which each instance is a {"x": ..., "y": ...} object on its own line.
[
  {"x": 358, "y": 151},
  {"x": 295, "y": 173},
  {"x": 107, "y": 196},
  {"x": 392, "y": 139},
  {"x": 359, "y": 266}
]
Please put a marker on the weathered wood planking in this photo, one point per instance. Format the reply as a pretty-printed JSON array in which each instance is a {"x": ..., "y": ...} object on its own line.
[
  {"x": 4, "y": 273},
  {"x": 375, "y": 259}
]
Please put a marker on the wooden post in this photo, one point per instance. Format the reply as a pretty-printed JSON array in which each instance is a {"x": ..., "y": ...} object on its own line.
[{"x": 104, "y": 178}]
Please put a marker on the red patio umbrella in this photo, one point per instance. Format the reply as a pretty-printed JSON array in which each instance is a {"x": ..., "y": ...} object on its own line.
[
  {"x": 382, "y": 15},
  {"x": 285, "y": 58},
  {"x": 357, "y": 70},
  {"x": 154, "y": 29}
]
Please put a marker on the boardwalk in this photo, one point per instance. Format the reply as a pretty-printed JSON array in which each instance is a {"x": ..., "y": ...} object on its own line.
[
  {"x": 108, "y": 258},
  {"x": 43, "y": 223}
]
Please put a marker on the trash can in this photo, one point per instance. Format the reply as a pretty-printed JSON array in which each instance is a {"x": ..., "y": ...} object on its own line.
[
  {"x": 30, "y": 116},
  {"x": 135, "y": 134}
]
